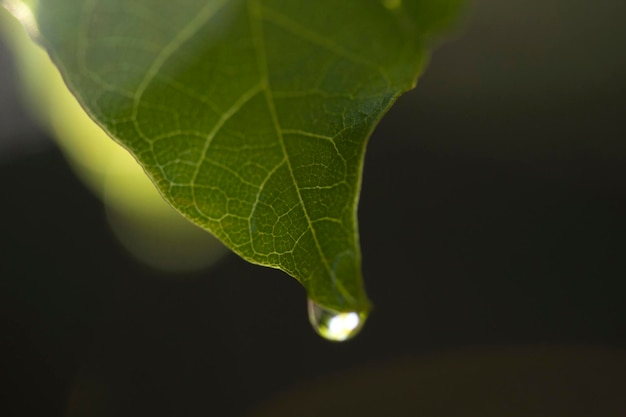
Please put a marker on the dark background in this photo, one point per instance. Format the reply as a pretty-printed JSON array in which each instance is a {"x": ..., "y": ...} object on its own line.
[{"x": 492, "y": 214}]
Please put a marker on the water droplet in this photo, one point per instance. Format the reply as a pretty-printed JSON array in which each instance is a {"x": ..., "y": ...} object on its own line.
[
  {"x": 333, "y": 325},
  {"x": 392, "y": 4}
]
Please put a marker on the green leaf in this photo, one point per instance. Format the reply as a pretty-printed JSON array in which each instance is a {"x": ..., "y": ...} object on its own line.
[{"x": 251, "y": 117}]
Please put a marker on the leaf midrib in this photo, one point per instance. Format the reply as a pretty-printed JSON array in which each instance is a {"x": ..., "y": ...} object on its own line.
[{"x": 254, "y": 9}]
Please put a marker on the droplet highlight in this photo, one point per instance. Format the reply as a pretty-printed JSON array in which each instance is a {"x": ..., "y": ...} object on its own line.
[{"x": 333, "y": 325}]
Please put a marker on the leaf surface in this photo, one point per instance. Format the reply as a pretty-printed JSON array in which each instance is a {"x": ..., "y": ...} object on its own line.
[{"x": 250, "y": 116}]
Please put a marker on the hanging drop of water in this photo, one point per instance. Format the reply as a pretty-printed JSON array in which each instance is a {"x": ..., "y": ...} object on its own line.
[{"x": 333, "y": 325}]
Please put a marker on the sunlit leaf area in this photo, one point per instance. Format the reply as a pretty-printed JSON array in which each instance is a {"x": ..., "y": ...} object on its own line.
[{"x": 250, "y": 117}]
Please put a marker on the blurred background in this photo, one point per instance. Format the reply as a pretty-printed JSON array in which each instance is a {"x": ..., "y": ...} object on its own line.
[{"x": 492, "y": 228}]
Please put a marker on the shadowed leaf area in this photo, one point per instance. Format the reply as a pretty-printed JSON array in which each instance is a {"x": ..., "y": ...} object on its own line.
[{"x": 251, "y": 117}]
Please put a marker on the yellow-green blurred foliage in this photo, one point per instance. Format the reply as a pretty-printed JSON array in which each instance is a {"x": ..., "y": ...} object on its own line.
[{"x": 143, "y": 222}]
